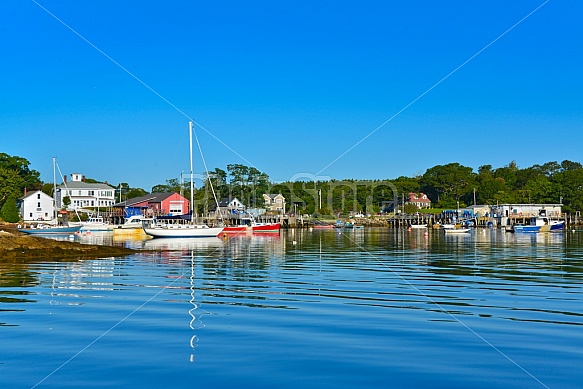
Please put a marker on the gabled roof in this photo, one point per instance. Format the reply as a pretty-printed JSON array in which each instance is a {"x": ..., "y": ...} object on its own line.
[
  {"x": 83, "y": 185},
  {"x": 225, "y": 201},
  {"x": 273, "y": 196},
  {"x": 150, "y": 198},
  {"x": 34, "y": 193}
]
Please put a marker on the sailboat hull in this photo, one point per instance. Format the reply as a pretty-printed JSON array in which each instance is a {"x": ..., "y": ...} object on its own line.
[
  {"x": 183, "y": 231},
  {"x": 50, "y": 230}
]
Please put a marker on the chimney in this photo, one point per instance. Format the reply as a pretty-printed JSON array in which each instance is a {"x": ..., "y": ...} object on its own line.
[
  {"x": 65, "y": 178},
  {"x": 24, "y": 191}
]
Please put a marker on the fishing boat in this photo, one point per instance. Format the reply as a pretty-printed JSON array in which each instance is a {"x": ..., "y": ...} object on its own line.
[
  {"x": 540, "y": 224},
  {"x": 249, "y": 224},
  {"x": 266, "y": 227},
  {"x": 180, "y": 227},
  {"x": 51, "y": 229}
]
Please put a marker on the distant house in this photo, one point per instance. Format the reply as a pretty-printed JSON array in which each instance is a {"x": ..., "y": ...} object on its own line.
[
  {"x": 36, "y": 206},
  {"x": 420, "y": 200},
  {"x": 156, "y": 204},
  {"x": 274, "y": 202},
  {"x": 231, "y": 204},
  {"x": 83, "y": 194}
]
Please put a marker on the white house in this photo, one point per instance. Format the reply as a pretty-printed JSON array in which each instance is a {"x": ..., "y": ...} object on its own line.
[
  {"x": 274, "y": 202},
  {"x": 420, "y": 200},
  {"x": 36, "y": 206},
  {"x": 83, "y": 194}
]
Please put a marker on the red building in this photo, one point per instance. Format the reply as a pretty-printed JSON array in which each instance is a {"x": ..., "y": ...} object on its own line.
[{"x": 156, "y": 204}]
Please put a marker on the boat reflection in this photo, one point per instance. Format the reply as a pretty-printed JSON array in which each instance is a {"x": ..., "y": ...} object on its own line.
[{"x": 182, "y": 244}]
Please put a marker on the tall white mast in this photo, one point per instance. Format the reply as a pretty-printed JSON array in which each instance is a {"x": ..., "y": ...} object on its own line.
[
  {"x": 55, "y": 189},
  {"x": 191, "y": 176}
]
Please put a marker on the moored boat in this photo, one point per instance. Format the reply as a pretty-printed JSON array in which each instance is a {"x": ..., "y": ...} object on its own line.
[
  {"x": 45, "y": 229},
  {"x": 540, "y": 224},
  {"x": 96, "y": 223},
  {"x": 180, "y": 227},
  {"x": 456, "y": 230},
  {"x": 250, "y": 225}
]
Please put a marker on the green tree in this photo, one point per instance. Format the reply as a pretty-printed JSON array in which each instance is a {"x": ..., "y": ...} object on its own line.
[
  {"x": 135, "y": 192},
  {"x": 9, "y": 211},
  {"x": 172, "y": 185},
  {"x": 447, "y": 184},
  {"x": 19, "y": 165},
  {"x": 66, "y": 202}
]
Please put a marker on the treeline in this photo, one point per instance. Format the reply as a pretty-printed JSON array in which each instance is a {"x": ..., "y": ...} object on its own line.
[{"x": 445, "y": 185}]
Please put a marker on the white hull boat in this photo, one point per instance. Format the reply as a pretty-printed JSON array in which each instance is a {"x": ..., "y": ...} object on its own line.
[
  {"x": 182, "y": 231},
  {"x": 96, "y": 224}
]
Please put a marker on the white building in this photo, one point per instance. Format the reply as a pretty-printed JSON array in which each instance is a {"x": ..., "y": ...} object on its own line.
[
  {"x": 83, "y": 194},
  {"x": 36, "y": 206}
]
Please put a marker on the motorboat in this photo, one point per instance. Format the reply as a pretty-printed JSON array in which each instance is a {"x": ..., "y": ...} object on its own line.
[
  {"x": 96, "y": 223},
  {"x": 134, "y": 222},
  {"x": 540, "y": 224}
]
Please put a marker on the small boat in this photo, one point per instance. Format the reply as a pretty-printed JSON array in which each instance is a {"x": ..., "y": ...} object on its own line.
[
  {"x": 456, "y": 230},
  {"x": 323, "y": 226},
  {"x": 418, "y": 226}
]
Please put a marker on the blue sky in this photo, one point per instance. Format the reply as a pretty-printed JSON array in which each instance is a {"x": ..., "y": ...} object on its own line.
[{"x": 289, "y": 87}]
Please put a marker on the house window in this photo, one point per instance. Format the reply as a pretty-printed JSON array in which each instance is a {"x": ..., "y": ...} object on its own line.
[
  {"x": 30, "y": 215},
  {"x": 278, "y": 201},
  {"x": 38, "y": 196},
  {"x": 38, "y": 204},
  {"x": 91, "y": 193},
  {"x": 79, "y": 193}
]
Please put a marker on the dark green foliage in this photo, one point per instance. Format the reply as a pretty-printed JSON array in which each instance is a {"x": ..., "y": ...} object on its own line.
[
  {"x": 9, "y": 211},
  {"x": 15, "y": 176}
]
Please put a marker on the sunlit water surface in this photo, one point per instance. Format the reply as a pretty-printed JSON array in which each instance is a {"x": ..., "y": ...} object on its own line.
[{"x": 311, "y": 309}]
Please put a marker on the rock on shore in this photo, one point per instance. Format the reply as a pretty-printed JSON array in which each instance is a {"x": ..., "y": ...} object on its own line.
[{"x": 14, "y": 245}]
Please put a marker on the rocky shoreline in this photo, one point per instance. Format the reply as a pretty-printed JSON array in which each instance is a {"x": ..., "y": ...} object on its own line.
[{"x": 15, "y": 246}]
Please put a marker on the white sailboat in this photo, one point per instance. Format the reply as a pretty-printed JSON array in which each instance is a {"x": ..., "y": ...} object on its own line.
[
  {"x": 165, "y": 228},
  {"x": 45, "y": 229}
]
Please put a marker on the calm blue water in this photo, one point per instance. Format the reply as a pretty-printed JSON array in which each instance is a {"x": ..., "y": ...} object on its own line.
[{"x": 311, "y": 309}]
